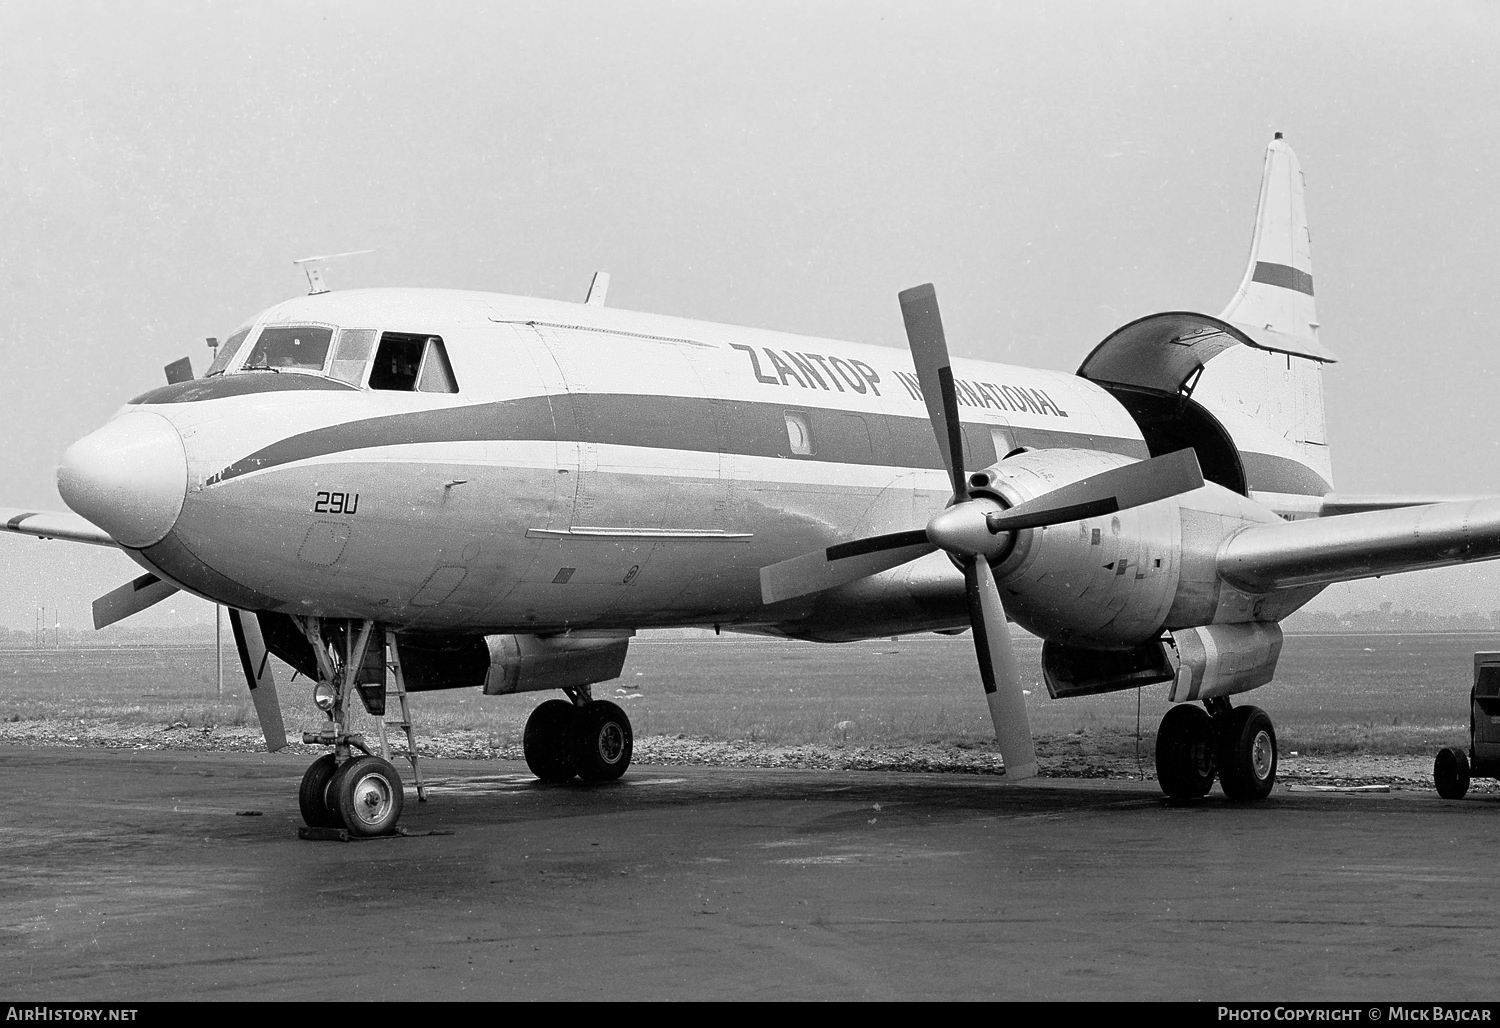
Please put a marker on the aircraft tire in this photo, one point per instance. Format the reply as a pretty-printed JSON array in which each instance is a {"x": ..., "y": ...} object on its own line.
[
  {"x": 547, "y": 741},
  {"x": 312, "y": 796},
  {"x": 1184, "y": 753},
  {"x": 1450, "y": 773},
  {"x": 367, "y": 795},
  {"x": 1246, "y": 754},
  {"x": 602, "y": 742}
]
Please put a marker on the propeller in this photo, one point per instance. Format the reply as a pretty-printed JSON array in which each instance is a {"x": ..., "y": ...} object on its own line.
[{"x": 976, "y": 530}]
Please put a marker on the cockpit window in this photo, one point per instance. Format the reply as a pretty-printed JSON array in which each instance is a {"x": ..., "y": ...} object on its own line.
[
  {"x": 352, "y": 354},
  {"x": 437, "y": 373},
  {"x": 408, "y": 363},
  {"x": 302, "y": 347},
  {"x": 227, "y": 351}
]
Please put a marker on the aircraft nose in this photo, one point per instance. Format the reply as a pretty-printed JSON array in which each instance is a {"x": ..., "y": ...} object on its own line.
[{"x": 129, "y": 478}]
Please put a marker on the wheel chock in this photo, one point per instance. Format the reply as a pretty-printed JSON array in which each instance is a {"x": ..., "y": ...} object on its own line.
[{"x": 323, "y": 834}]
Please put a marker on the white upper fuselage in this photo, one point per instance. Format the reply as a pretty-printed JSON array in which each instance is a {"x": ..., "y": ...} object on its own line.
[{"x": 595, "y": 466}]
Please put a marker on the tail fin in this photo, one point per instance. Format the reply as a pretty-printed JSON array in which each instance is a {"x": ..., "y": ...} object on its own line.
[
  {"x": 1271, "y": 399},
  {"x": 1277, "y": 292}
]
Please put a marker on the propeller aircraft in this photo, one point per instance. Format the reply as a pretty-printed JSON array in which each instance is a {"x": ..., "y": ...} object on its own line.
[{"x": 396, "y": 490}]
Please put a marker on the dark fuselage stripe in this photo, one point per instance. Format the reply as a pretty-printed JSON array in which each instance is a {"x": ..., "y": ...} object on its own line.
[
  {"x": 243, "y": 384},
  {"x": 741, "y": 427},
  {"x": 1283, "y": 276}
]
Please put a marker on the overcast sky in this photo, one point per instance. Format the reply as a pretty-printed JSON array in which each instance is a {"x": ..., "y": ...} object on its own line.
[{"x": 1057, "y": 169}]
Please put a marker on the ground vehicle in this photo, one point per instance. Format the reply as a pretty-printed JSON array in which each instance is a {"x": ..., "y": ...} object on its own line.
[{"x": 1453, "y": 768}]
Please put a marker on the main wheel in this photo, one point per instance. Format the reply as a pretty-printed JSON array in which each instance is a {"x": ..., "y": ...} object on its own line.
[
  {"x": 1185, "y": 752},
  {"x": 602, "y": 742},
  {"x": 1246, "y": 754},
  {"x": 312, "y": 796},
  {"x": 1450, "y": 773},
  {"x": 547, "y": 741},
  {"x": 366, "y": 792}
]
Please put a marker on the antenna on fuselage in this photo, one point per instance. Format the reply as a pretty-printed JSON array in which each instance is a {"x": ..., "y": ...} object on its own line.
[
  {"x": 315, "y": 283},
  {"x": 597, "y": 288}
]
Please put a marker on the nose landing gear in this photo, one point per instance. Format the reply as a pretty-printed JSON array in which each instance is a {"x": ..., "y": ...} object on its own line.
[{"x": 359, "y": 792}]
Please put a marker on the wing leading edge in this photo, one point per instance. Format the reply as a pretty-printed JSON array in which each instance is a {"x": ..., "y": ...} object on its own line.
[{"x": 1320, "y": 551}]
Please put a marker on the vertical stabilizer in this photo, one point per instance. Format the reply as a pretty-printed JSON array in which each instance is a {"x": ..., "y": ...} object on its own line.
[
  {"x": 1277, "y": 291},
  {"x": 1270, "y": 396}
]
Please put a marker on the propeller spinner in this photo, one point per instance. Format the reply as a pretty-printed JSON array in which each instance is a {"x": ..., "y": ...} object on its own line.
[{"x": 975, "y": 530}]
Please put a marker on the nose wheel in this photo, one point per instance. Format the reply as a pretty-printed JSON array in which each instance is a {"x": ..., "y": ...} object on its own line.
[{"x": 363, "y": 795}]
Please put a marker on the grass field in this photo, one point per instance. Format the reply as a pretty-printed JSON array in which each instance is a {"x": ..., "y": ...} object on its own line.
[{"x": 1386, "y": 694}]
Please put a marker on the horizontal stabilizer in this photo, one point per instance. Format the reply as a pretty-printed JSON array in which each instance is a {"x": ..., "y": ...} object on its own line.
[
  {"x": 53, "y": 525},
  {"x": 1320, "y": 551},
  {"x": 1351, "y": 503},
  {"x": 130, "y": 598}
]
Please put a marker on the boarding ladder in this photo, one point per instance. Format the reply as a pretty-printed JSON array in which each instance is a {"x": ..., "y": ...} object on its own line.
[{"x": 398, "y": 680}]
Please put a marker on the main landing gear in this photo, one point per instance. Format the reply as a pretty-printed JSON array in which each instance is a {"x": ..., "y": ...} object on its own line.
[
  {"x": 1236, "y": 743},
  {"x": 360, "y": 792},
  {"x": 578, "y": 736}
]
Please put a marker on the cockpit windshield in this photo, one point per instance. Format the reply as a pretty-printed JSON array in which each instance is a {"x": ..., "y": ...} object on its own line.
[
  {"x": 228, "y": 350},
  {"x": 299, "y": 347},
  {"x": 361, "y": 357}
]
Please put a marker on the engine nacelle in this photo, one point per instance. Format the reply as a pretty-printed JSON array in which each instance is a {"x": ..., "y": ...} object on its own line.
[
  {"x": 1070, "y": 671},
  {"x": 526, "y": 663},
  {"x": 1221, "y": 660},
  {"x": 1107, "y": 580},
  {"x": 1114, "y": 582}
]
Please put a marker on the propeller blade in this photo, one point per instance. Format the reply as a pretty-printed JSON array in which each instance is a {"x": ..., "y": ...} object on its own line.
[
  {"x": 929, "y": 353},
  {"x": 1133, "y": 485},
  {"x": 823, "y": 569},
  {"x": 180, "y": 370},
  {"x": 131, "y": 598},
  {"x": 255, "y": 659},
  {"x": 998, "y": 672}
]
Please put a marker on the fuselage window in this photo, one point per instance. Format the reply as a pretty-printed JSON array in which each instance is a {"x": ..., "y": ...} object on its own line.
[
  {"x": 301, "y": 347},
  {"x": 407, "y": 363},
  {"x": 352, "y": 354},
  {"x": 227, "y": 351},
  {"x": 799, "y": 433}
]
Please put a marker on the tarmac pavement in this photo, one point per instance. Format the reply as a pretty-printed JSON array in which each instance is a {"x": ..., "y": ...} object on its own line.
[{"x": 143, "y": 875}]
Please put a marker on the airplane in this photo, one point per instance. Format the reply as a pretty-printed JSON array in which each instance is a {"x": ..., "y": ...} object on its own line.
[{"x": 429, "y": 489}]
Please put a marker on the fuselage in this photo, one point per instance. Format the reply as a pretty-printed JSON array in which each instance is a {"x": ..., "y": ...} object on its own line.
[{"x": 468, "y": 462}]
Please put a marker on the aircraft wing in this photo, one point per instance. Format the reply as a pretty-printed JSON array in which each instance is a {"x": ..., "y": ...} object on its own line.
[
  {"x": 53, "y": 525},
  {"x": 1319, "y": 551},
  {"x": 1337, "y": 503}
]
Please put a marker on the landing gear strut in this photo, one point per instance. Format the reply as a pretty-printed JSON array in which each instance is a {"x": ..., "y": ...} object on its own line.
[
  {"x": 1236, "y": 743},
  {"x": 578, "y": 736},
  {"x": 359, "y": 792}
]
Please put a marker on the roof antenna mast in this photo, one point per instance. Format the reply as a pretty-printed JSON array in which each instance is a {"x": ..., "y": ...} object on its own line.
[{"x": 315, "y": 284}]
